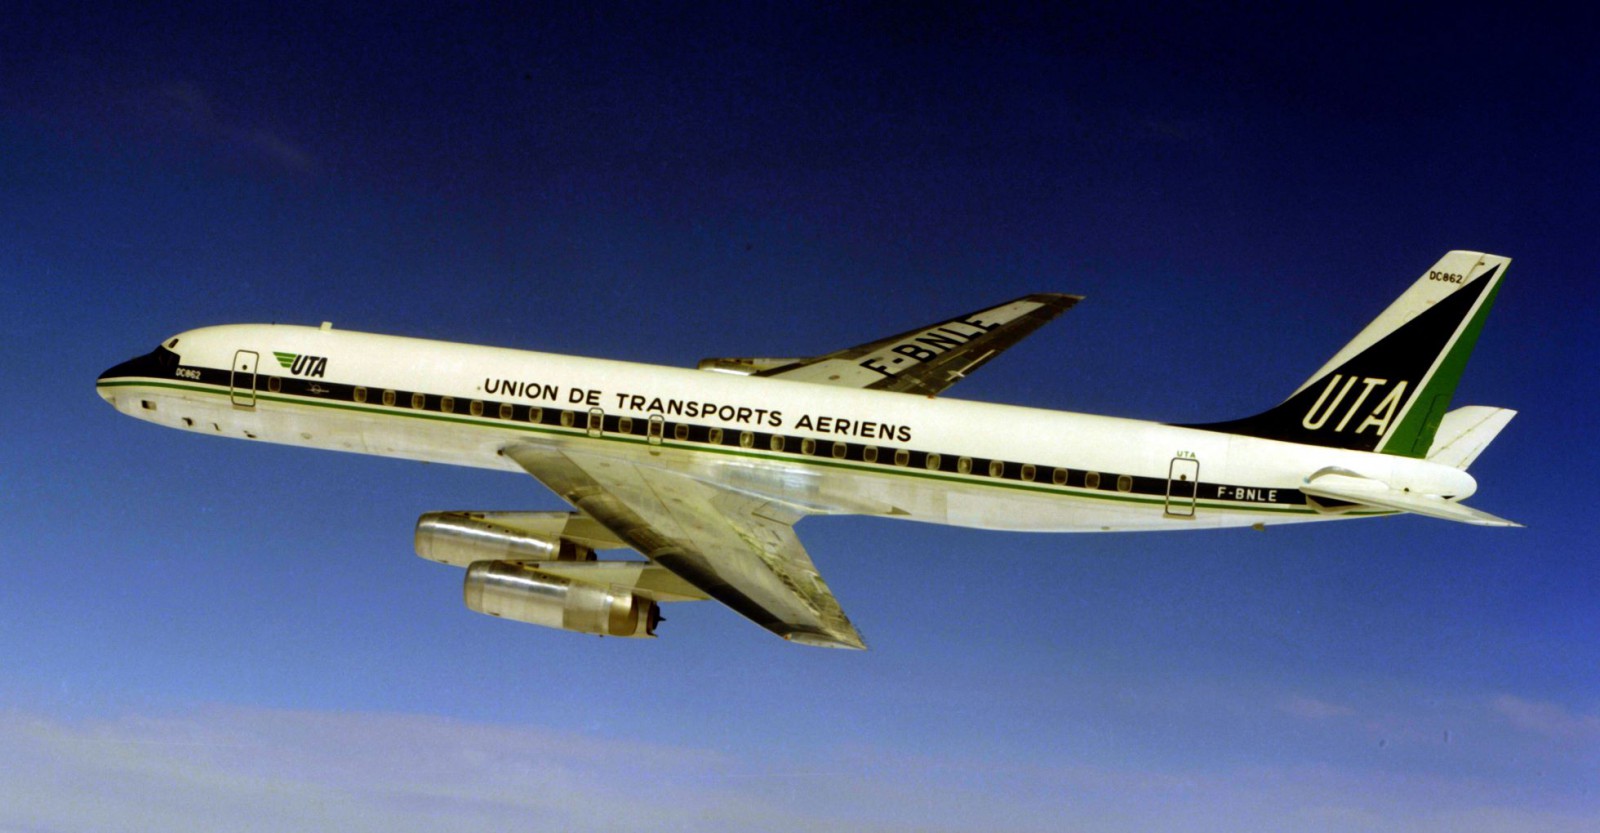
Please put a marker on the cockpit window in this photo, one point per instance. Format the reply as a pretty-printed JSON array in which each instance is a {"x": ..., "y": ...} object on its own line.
[
  {"x": 172, "y": 345},
  {"x": 166, "y": 358}
]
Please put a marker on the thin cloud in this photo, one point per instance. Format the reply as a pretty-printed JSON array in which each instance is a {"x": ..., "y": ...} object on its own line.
[
  {"x": 248, "y": 769},
  {"x": 245, "y": 769},
  {"x": 187, "y": 108},
  {"x": 1550, "y": 720},
  {"x": 1313, "y": 709}
]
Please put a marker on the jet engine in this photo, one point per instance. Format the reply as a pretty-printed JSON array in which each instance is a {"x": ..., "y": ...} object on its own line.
[
  {"x": 521, "y": 592},
  {"x": 516, "y": 563},
  {"x": 463, "y": 538}
]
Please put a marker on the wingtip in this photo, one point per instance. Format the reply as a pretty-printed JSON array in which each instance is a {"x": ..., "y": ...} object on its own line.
[
  {"x": 1065, "y": 299},
  {"x": 851, "y": 642}
]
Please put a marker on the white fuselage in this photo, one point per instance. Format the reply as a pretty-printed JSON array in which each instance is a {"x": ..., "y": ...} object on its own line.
[{"x": 825, "y": 449}]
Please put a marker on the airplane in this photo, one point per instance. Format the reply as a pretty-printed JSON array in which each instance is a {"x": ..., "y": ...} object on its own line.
[{"x": 705, "y": 471}]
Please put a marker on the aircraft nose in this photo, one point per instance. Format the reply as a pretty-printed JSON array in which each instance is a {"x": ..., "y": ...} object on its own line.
[
  {"x": 111, "y": 374},
  {"x": 117, "y": 371},
  {"x": 149, "y": 365}
]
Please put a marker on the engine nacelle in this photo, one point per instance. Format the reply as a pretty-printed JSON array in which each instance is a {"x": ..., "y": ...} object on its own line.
[
  {"x": 521, "y": 592},
  {"x": 464, "y": 538}
]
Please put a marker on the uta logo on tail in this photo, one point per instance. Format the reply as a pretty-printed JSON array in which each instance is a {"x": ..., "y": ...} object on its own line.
[{"x": 1379, "y": 418}]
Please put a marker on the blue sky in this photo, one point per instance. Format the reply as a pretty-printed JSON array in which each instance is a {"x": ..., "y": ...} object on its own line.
[{"x": 198, "y": 634}]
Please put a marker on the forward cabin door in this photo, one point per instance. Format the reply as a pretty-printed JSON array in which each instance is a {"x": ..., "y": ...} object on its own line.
[
  {"x": 1183, "y": 484},
  {"x": 242, "y": 382}
]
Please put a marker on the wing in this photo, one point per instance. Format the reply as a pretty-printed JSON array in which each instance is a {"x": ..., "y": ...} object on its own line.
[
  {"x": 925, "y": 360},
  {"x": 736, "y": 548}
]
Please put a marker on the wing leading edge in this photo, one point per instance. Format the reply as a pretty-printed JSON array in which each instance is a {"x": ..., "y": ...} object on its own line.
[
  {"x": 736, "y": 548},
  {"x": 924, "y": 360}
]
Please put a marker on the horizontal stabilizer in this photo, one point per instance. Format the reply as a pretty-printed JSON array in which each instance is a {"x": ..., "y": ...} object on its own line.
[
  {"x": 1378, "y": 495},
  {"x": 1465, "y": 432}
]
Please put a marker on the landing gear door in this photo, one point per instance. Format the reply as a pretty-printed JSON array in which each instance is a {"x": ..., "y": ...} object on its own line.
[
  {"x": 1183, "y": 484},
  {"x": 242, "y": 382}
]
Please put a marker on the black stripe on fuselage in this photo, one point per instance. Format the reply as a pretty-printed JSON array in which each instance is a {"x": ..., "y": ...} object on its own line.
[{"x": 822, "y": 451}]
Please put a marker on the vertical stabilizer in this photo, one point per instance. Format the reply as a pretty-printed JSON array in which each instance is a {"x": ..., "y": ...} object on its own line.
[{"x": 1389, "y": 388}]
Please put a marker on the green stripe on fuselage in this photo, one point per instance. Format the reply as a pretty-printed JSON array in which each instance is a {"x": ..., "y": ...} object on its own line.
[{"x": 578, "y": 431}]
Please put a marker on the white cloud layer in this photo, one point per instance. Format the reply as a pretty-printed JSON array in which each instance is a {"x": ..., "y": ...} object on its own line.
[{"x": 243, "y": 769}]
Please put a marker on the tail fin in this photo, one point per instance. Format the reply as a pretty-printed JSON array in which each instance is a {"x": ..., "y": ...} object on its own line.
[{"x": 1388, "y": 389}]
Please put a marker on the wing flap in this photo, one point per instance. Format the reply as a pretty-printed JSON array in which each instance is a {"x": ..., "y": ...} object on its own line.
[{"x": 744, "y": 366}]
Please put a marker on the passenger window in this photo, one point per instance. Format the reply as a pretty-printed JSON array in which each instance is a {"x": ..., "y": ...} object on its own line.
[
  {"x": 901, "y": 457},
  {"x": 1027, "y": 473},
  {"x": 625, "y": 425},
  {"x": 808, "y": 446},
  {"x": 447, "y": 404},
  {"x": 359, "y": 394},
  {"x": 840, "y": 449},
  {"x": 476, "y": 408},
  {"x": 1091, "y": 480},
  {"x": 714, "y": 436},
  {"x": 1124, "y": 482},
  {"x": 536, "y": 415},
  {"x": 997, "y": 468},
  {"x": 777, "y": 442},
  {"x": 388, "y": 397},
  {"x": 933, "y": 462},
  {"x": 274, "y": 384},
  {"x": 870, "y": 454},
  {"x": 964, "y": 465},
  {"x": 1059, "y": 477},
  {"x": 566, "y": 419},
  {"x": 746, "y": 439},
  {"x": 506, "y": 410},
  {"x": 680, "y": 431},
  {"x": 418, "y": 401}
]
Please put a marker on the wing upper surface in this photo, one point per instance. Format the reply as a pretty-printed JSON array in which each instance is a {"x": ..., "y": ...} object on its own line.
[
  {"x": 924, "y": 360},
  {"x": 737, "y": 548}
]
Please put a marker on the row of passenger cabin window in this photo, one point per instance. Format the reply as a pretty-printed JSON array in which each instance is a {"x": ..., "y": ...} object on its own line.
[{"x": 932, "y": 461}]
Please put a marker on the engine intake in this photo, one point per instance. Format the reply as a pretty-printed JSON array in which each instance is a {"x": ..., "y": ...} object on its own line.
[{"x": 521, "y": 592}]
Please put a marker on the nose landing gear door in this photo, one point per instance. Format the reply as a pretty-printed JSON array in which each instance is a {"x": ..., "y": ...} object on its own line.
[{"x": 242, "y": 382}]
